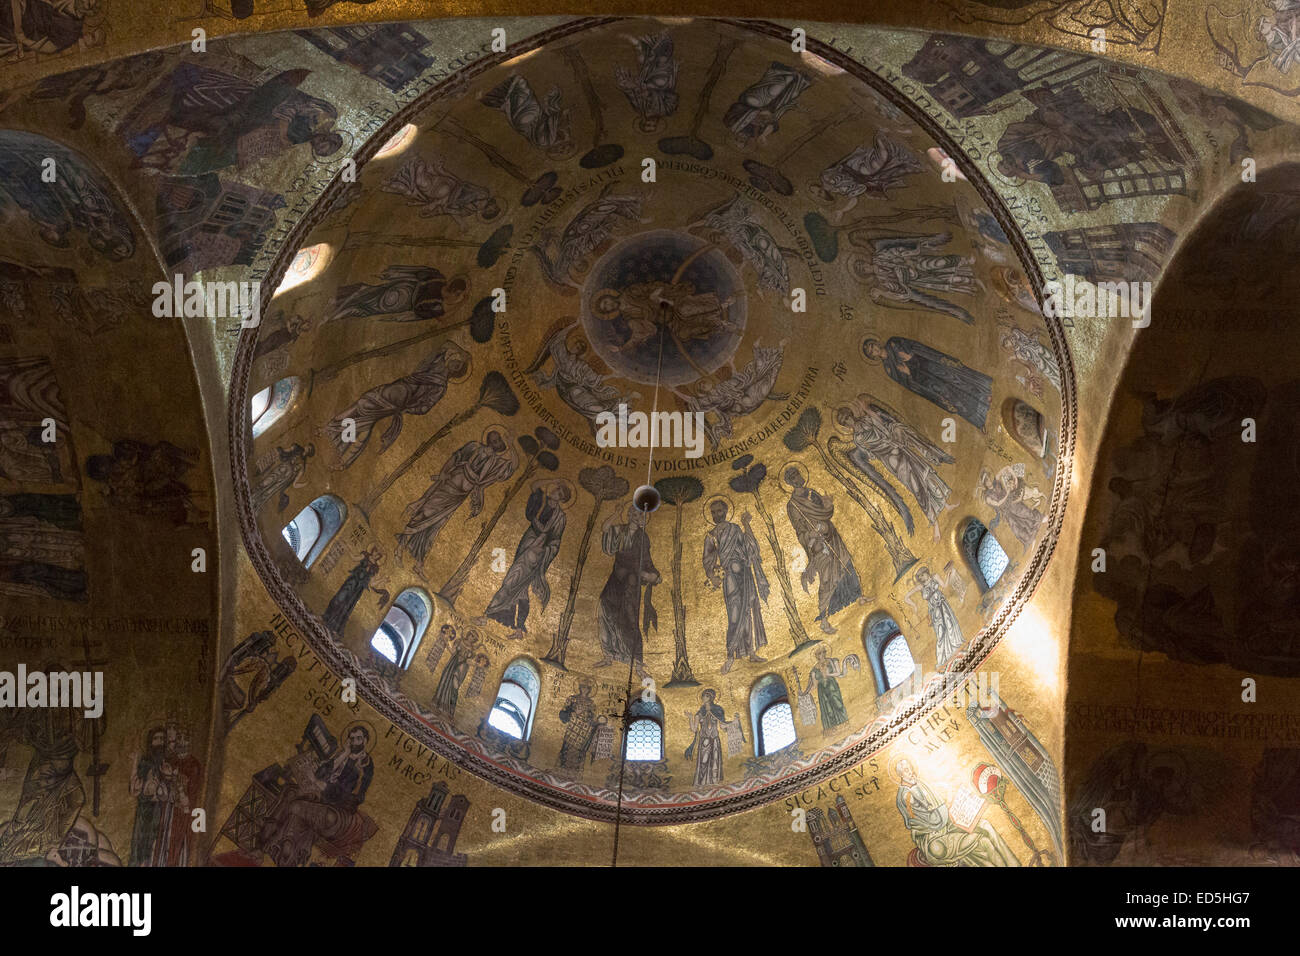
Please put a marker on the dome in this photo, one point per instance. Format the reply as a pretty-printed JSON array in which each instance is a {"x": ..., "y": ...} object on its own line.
[{"x": 757, "y": 280}]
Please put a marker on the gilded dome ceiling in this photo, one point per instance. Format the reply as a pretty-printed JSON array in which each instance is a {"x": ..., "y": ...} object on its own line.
[{"x": 797, "y": 269}]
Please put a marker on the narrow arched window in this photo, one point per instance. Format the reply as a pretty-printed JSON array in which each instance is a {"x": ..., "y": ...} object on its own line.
[
  {"x": 887, "y": 650},
  {"x": 645, "y": 730},
  {"x": 312, "y": 529},
  {"x": 773, "y": 720},
  {"x": 272, "y": 403},
  {"x": 985, "y": 557},
  {"x": 399, "y": 633},
  {"x": 516, "y": 701}
]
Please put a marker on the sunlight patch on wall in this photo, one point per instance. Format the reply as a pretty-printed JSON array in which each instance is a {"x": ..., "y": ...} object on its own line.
[
  {"x": 306, "y": 265},
  {"x": 1030, "y": 639},
  {"x": 403, "y": 138}
]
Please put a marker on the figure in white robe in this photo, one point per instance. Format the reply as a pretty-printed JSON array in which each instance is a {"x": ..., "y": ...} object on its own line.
[
  {"x": 943, "y": 621},
  {"x": 652, "y": 89},
  {"x": 867, "y": 171},
  {"x": 544, "y": 124},
  {"x": 757, "y": 111},
  {"x": 466, "y": 474},
  {"x": 880, "y": 434}
]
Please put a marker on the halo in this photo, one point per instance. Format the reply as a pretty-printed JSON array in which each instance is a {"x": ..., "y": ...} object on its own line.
[
  {"x": 506, "y": 434},
  {"x": 994, "y": 170},
  {"x": 545, "y": 484},
  {"x": 609, "y": 314},
  {"x": 835, "y": 419},
  {"x": 892, "y": 767},
  {"x": 469, "y": 364},
  {"x": 797, "y": 465},
  {"x": 574, "y": 337},
  {"x": 365, "y": 725},
  {"x": 731, "y": 508}
]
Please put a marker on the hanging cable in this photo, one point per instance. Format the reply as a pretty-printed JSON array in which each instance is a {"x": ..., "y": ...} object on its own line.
[{"x": 645, "y": 500}]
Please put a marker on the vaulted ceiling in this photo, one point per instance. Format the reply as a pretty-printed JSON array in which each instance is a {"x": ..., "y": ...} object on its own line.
[{"x": 832, "y": 253}]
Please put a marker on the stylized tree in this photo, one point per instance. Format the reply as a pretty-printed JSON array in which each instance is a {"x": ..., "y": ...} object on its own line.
[
  {"x": 603, "y": 485},
  {"x": 748, "y": 481},
  {"x": 537, "y": 457},
  {"x": 803, "y": 436},
  {"x": 679, "y": 491},
  {"x": 494, "y": 394}
]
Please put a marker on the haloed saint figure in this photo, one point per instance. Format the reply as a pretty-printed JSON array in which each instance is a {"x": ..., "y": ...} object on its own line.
[
  {"x": 733, "y": 562},
  {"x": 620, "y": 601}
]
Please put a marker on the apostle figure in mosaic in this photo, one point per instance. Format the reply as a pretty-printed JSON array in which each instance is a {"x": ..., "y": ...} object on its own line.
[
  {"x": 620, "y": 618},
  {"x": 734, "y": 563},
  {"x": 908, "y": 271},
  {"x": 440, "y": 192},
  {"x": 880, "y": 434},
  {"x": 939, "y": 841},
  {"x": 758, "y": 110},
  {"x": 544, "y": 124},
  {"x": 415, "y": 293},
  {"x": 867, "y": 171}
]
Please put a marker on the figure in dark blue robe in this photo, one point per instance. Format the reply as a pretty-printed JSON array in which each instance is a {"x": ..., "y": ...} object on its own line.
[
  {"x": 341, "y": 605},
  {"x": 935, "y": 376}
]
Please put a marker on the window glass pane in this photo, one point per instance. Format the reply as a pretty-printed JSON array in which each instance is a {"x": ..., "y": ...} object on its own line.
[
  {"x": 897, "y": 660},
  {"x": 993, "y": 560},
  {"x": 503, "y": 720},
  {"x": 778, "y": 727},
  {"x": 259, "y": 404},
  {"x": 400, "y": 622},
  {"x": 644, "y": 740},
  {"x": 302, "y": 532},
  {"x": 384, "y": 643},
  {"x": 517, "y": 696}
]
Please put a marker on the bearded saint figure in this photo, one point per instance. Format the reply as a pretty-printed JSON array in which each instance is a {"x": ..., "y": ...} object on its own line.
[{"x": 734, "y": 563}]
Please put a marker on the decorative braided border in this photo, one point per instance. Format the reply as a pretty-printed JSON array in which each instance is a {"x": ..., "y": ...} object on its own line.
[{"x": 594, "y": 803}]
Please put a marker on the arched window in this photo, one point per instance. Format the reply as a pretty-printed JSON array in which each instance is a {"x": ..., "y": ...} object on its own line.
[
  {"x": 645, "y": 730},
  {"x": 516, "y": 702},
  {"x": 311, "y": 531},
  {"x": 399, "y": 633},
  {"x": 272, "y": 403},
  {"x": 1026, "y": 425},
  {"x": 887, "y": 650},
  {"x": 984, "y": 555},
  {"x": 773, "y": 720}
]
